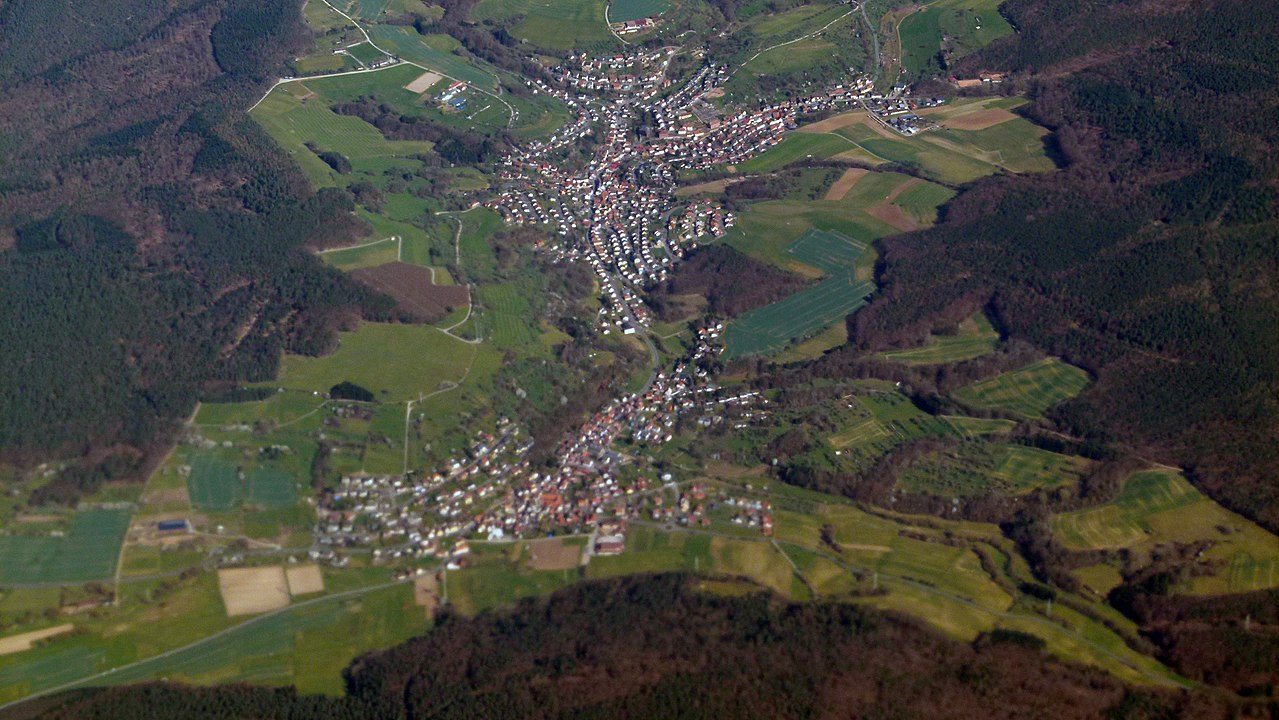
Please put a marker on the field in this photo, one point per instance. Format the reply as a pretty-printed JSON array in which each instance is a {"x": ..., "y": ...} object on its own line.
[
  {"x": 364, "y": 255},
  {"x": 248, "y": 591},
  {"x": 845, "y": 183},
  {"x": 832, "y": 337},
  {"x": 1028, "y": 391},
  {"x": 24, "y": 641},
  {"x": 966, "y": 24},
  {"x": 215, "y": 484},
  {"x": 553, "y": 554},
  {"x": 1160, "y": 506},
  {"x": 434, "y": 52},
  {"x": 981, "y": 468},
  {"x": 560, "y": 25},
  {"x": 395, "y": 362},
  {"x": 770, "y": 328},
  {"x": 412, "y": 289},
  {"x": 975, "y": 338},
  {"x": 624, "y": 10},
  {"x": 87, "y": 551}
]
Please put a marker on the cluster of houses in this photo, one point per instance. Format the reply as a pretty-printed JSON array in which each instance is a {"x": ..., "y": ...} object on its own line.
[
  {"x": 898, "y": 112},
  {"x": 453, "y": 97},
  {"x": 630, "y": 27},
  {"x": 701, "y": 217}
]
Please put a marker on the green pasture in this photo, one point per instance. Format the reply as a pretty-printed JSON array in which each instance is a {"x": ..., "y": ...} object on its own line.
[
  {"x": 922, "y": 201},
  {"x": 395, "y": 362},
  {"x": 1160, "y": 506},
  {"x": 559, "y": 25},
  {"x": 970, "y": 427},
  {"x": 982, "y": 468},
  {"x": 968, "y": 24},
  {"x": 796, "y": 146},
  {"x": 86, "y": 550},
  {"x": 975, "y": 337},
  {"x": 626, "y": 10},
  {"x": 366, "y": 53},
  {"x": 814, "y": 347},
  {"x": 1028, "y": 391},
  {"x": 368, "y": 254},
  {"x": 278, "y": 408},
  {"x": 770, "y": 328},
  {"x": 436, "y": 52},
  {"x": 1016, "y": 144}
]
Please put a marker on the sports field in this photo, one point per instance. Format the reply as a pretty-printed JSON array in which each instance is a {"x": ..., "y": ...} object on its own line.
[
  {"x": 770, "y": 328},
  {"x": 87, "y": 551},
  {"x": 1160, "y": 506},
  {"x": 1028, "y": 391},
  {"x": 396, "y": 362}
]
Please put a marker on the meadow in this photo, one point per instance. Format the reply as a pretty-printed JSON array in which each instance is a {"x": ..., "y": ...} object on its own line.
[
  {"x": 980, "y": 468},
  {"x": 1160, "y": 506},
  {"x": 395, "y": 362},
  {"x": 625, "y": 10},
  {"x": 1028, "y": 391},
  {"x": 970, "y": 25},
  {"x": 560, "y": 25}
]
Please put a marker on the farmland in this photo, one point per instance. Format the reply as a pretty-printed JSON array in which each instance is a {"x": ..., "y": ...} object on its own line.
[
  {"x": 980, "y": 469},
  {"x": 624, "y": 10},
  {"x": 86, "y": 550},
  {"x": 414, "y": 290},
  {"x": 974, "y": 337},
  {"x": 1028, "y": 391},
  {"x": 561, "y": 25},
  {"x": 768, "y": 329},
  {"x": 1159, "y": 506}
]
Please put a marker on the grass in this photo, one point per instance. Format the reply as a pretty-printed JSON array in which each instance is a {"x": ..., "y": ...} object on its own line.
[
  {"x": 87, "y": 550},
  {"x": 770, "y": 328},
  {"x": 368, "y": 254},
  {"x": 395, "y": 362},
  {"x": 796, "y": 146},
  {"x": 1160, "y": 506},
  {"x": 982, "y": 468},
  {"x": 625, "y": 10},
  {"x": 1028, "y": 391},
  {"x": 975, "y": 337},
  {"x": 969, "y": 24},
  {"x": 559, "y": 25},
  {"x": 435, "y": 52},
  {"x": 832, "y": 337}
]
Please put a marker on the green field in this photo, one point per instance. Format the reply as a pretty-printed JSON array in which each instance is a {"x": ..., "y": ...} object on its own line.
[
  {"x": 366, "y": 53},
  {"x": 770, "y": 328},
  {"x": 624, "y": 10},
  {"x": 379, "y": 252},
  {"x": 968, "y": 25},
  {"x": 975, "y": 337},
  {"x": 395, "y": 362},
  {"x": 1028, "y": 391},
  {"x": 435, "y": 52},
  {"x": 1160, "y": 506},
  {"x": 86, "y": 551},
  {"x": 559, "y": 25},
  {"x": 796, "y": 146},
  {"x": 981, "y": 468},
  {"x": 832, "y": 337}
]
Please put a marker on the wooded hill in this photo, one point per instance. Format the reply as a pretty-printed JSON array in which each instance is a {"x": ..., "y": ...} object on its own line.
[
  {"x": 1152, "y": 260},
  {"x": 658, "y": 646}
]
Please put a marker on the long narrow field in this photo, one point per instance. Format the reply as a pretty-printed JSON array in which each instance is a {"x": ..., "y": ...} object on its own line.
[
  {"x": 1028, "y": 391},
  {"x": 975, "y": 338},
  {"x": 770, "y": 328},
  {"x": 1160, "y": 506}
]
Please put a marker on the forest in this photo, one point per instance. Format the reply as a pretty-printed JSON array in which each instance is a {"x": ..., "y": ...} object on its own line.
[{"x": 663, "y": 646}]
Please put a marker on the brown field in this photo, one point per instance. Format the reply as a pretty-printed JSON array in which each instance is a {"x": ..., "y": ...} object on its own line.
[
  {"x": 834, "y": 123},
  {"x": 424, "y": 82},
  {"x": 977, "y": 120},
  {"x": 553, "y": 554},
  {"x": 18, "y": 643},
  {"x": 893, "y": 214},
  {"x": 247, "y": 591},
  {"x": 304, "y": 579},
  {"x": 845, "y": 183},
  {"x": 426, "y": 593},
  {"x": 411, "y": 287}
]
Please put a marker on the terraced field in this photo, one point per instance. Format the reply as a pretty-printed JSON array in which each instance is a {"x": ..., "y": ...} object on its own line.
[{"x": 1028, "y": 391}]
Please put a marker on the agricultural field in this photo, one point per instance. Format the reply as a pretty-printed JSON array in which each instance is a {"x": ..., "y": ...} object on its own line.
[
  {"x": 1160, "y": 506},
  {"x": 86, "y": 549},
  {"x": 985, "y": 469},
  {"x": 365, "y": 255},
  {"x": 561, "y": 25},
  {"x": 1028, "y": 391},
  {"x": 626, "y": 10},
  {"x": 974, "y": 337},
  {"x": 215, "y": 483},
  {"x": 770, "y": 328},
  {"x": 953, "y": 27},
  {"x": 414, "y": 290},
  {"x": 395, "y": 362},
  {"x": 828, "y": 339}
]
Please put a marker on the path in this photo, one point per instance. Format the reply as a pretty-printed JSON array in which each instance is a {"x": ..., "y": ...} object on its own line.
[
  {"x": 609, "y": 25},
  {"x": 364, "y": 245},
  {"x": 470, "y": 291}
]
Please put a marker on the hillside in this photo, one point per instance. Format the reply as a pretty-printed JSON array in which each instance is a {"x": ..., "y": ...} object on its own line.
[{"x": 665, "y": 646}]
